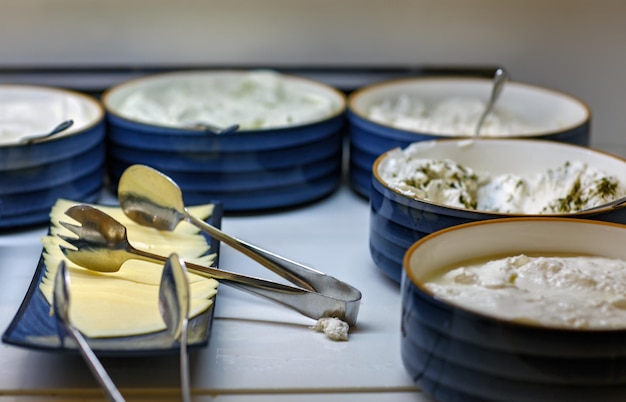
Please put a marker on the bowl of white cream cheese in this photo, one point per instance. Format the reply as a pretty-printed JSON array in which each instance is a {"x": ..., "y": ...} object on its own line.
[
  {"x": 287, "y": 150},
  {"x": 432, "y": 185},
  {"x": 35, "y": 171},
  {"x": 398, "y": 112},
  {"x": 517, "y": 309}
]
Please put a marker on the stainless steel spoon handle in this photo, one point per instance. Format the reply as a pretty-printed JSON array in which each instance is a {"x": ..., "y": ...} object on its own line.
[
  {"x": 499, "y": 78},
  {"x": 99, "y": 372},
  {"x": 185, "y": 383},
  {"x": 210, "y": 128},
  {"x": 612, "y": 204},
  {"x": 38, "y": 137},
  {"x": 342, "y": 302},
  {"x": 174, "y": 309},
  {"x": 61, "y": 307}
]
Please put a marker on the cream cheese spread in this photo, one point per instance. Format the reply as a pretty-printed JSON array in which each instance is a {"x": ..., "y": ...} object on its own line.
[
  {"x": 562, "y": 291},
  {"x": 456, "y": 116},
  {"x": 567, "y": 188},
  {"x": 253, "y": 100}
]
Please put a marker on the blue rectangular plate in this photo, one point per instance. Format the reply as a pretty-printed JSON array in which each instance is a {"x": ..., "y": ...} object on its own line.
[{"x": 34, "y": 327}]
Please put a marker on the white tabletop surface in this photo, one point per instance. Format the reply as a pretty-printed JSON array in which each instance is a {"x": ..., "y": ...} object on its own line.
[{"x": 258, "y": 351}]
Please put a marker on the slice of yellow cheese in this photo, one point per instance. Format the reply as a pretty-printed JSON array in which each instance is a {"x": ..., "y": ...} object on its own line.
[{"x": 125, "y": 302}]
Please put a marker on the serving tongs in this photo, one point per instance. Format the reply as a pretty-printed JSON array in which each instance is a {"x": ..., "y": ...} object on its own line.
[{"x": 102, "y": 245}]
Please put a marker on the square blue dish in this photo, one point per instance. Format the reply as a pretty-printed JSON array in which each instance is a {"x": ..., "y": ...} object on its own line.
[{"x": 34, "y": 327}]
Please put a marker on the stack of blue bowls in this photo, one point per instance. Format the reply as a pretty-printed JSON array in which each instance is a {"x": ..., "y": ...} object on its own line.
[{"x": 35, "y": 173}]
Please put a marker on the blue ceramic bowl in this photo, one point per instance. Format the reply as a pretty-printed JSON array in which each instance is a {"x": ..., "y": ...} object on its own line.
[
  {"x": 69, "y": 165},
  {"x": 552, "y": 114},
  {"x": 251, "y": 169},
  {"x": 398, "y": 220},
  {"x": 456, "y": 354}
]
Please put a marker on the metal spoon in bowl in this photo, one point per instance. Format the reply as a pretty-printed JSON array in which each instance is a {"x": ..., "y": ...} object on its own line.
[
  {"x": 151, "y": 198},
  {"x": 210, "y": 128},
  {"x": 174, "y": 309},
  {"x": 61, "y": 306},
  {"x": 612, "y": 204},
  {"x": 39, "y": 137},
  {"x": 499, "y": 79}
]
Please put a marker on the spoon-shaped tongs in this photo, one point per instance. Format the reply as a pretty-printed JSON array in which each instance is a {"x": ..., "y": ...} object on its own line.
[
  {"x": 150, "y": 198},
  {"x": 102, "y": 245},
  {"x": 61, "y": 306}
]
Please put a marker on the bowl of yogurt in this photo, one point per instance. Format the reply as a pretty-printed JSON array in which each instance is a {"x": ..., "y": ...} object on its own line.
[
  {"x": 399, "y": 112},
  {"x": 432, "y": 185},
  {"x": 287, "y": 149},
  {"x": 36, "y": 170},
  {"x": 517, "y": 309}
]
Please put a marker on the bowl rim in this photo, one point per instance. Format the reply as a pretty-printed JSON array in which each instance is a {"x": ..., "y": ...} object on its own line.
[
  {"x": 100, "y": 111},
  {"x": 353, "y": 98},
  {"x": 419, "y": 286},
  {"x": 599, "y": 209},
  {"x": 108, "y": 93}
]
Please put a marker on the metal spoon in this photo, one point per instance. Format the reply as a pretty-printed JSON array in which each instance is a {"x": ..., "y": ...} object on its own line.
[
  {"x": 499, "y": 79},
  {"x": 210, "y": 128},
  {"x": 102, "y": 245},
  {"x": 38, "y": 137},
  {"x": 174, "y": 309},
  {"x": 151, "y": 198},
  {"x": 61, "y": 306},
  {"x": 612, "y": 204}
]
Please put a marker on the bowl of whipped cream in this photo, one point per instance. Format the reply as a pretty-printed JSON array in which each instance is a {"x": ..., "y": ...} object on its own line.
[
  {"x": 432, "y": 185},
  {"x": 396, "y": 113},
  {"x": 285, "y": 148},
  {"x": 36, "y": 169},
  {"x": 517, "y": 309}
]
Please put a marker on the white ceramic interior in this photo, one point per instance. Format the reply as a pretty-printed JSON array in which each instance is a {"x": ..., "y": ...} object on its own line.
[
  {"x": 30, "y": 110},
  {"x": 161, "y": 86},
  {"x": 548, "y": 109},
  {"x": 511, "y": 236}
]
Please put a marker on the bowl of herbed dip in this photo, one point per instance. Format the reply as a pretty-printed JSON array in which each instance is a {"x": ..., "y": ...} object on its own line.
[
  {"x": 287, "y": 149},
  {"x": 517, "y": 309},
  {"x": 432, "y": 185},
  {"x": 396, "y": 113}
]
